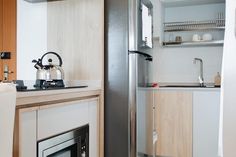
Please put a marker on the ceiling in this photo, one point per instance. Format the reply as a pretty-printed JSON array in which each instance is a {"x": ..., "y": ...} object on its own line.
[{"x": 177, "y": 3}]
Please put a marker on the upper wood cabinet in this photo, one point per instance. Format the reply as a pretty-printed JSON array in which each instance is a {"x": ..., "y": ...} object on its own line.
[{"x": 8, "y": 36}]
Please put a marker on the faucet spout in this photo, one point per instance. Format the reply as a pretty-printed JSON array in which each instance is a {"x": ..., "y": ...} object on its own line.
[{"x": 200, "y": 78}]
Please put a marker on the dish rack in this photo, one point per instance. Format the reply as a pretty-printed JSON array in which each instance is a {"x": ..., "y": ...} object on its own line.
[{"x": 218, "y": 24}]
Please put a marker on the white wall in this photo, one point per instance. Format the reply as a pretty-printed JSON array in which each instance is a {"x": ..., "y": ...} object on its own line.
[
  {"x": 176, "y": 64},
  {"x": 229, "y": 85},
  {"x": 31, "y": 37}
]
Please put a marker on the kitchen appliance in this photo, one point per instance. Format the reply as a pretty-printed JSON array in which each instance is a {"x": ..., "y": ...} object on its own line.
[
  {"x": 128, "y": 41},
  {"x": 26, "y": 86},
  {"x": 50, "y": 75},
  {"x": 74, "y": 143}
]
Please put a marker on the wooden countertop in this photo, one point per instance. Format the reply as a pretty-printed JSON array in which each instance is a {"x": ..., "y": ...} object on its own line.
[{"x": 31, "y": 98}]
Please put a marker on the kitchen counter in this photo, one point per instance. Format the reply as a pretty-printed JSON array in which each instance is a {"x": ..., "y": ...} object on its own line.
[
  {"x": 51, "y": 112},
  {"x": 182, "y": 86},
  {"x": 179, "y": 88},
  {"x": 43, "y": 97}
]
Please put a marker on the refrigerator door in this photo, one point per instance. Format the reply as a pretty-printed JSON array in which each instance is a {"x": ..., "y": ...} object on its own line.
[
  {"x": 139, "y": 41},
  {"x": 137, "y": 74}
]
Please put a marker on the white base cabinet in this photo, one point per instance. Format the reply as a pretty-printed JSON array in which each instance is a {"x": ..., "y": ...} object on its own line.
[
  {"x": 206, "y": 111},
  {"x": 93, "y": 129},
  {"x": 187, "y": 122},
  {"x": 56, "y": 120},
  {"x": 46, "y": 121},
  {"x": 27, "y": 134}
]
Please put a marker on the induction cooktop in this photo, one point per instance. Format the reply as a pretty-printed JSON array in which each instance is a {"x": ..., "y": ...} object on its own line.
[{"x": 21, "y": 87}]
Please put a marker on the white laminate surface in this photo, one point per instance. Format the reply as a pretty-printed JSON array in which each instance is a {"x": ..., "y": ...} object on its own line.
[
  {"x": 35, "y": 97},
  {"x": 162, "y": 87},
  {"x": 179, "y": 88},
  {"x": 206, "y": 111}
]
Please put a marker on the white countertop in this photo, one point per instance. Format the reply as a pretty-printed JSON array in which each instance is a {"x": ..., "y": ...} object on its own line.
[
  {"x": 179, "y": 88},
  {"x": 161, "y": 87},
  {"x": 28, "y": 98}
]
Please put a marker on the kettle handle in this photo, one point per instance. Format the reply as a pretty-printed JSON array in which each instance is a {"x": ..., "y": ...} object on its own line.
[{"x": 58, "y": 56}]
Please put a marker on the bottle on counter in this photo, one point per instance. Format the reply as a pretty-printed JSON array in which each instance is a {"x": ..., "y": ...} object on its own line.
[{"x": 217, "y": 80}]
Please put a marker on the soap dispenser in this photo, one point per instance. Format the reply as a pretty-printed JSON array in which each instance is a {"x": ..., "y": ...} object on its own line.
[{"x": 217, "y": 80}]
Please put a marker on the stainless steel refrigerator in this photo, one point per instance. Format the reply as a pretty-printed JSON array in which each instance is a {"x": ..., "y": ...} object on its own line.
[{"x": 128, "y": 40}]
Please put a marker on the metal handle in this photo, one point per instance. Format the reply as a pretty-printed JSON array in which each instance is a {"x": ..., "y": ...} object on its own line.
[
  {"x": 54, "y": 53},
  {"x": 147, "y": 56}
]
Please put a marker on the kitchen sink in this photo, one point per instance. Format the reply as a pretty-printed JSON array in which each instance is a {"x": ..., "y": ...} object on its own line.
[{"x": 182, "y": 85}]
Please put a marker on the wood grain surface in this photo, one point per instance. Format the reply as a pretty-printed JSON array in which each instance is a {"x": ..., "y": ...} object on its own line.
[
  {"x": 174, "y": 123},
  {"x": 8, "y": 36}
]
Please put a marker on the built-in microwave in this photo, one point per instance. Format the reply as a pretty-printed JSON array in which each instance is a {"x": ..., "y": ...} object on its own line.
[{"x": 73, "y": 143}]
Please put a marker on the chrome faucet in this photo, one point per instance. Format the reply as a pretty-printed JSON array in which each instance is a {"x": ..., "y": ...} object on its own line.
[{"x": 200, "y": 78}]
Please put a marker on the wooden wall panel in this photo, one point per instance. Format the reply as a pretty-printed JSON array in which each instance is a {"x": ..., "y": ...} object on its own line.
[
  {"x": 174, "y": 123},
  {"x": 1, "y": 35},
  {"x": 76, "y": 32},
  {"x": 8, "y": 35}
]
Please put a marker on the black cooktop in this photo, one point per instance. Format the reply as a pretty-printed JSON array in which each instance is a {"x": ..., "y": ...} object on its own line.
[
  {"x": 22, "y": 87},
  {"x": 50, "y": 88}
]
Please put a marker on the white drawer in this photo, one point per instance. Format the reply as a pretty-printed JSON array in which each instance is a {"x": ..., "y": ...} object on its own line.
[{"x": 55, "y": 120}]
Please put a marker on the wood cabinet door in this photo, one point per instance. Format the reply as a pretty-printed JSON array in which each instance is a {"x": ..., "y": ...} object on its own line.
[
  {"x": 174, "y": 123},
  {"x": 25, "y": 135},
  {"x": 8, "y": 36}
]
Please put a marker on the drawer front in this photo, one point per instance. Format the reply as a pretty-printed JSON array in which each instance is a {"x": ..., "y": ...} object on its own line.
[{"x": 56, "y": 120}]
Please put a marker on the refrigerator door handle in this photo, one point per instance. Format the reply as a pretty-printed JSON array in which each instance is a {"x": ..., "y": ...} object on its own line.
[{"x": 147, "y": 56}]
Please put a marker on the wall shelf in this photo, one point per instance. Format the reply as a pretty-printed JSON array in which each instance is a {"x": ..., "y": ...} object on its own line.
[
  {"x": 218, "y": 24},
  {"x": 194, "y": 43},
  {"x": 195, "y": 29}
]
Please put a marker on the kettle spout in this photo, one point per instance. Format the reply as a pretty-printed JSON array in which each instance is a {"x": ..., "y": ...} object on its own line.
[{"x": 38, "y": 64}]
